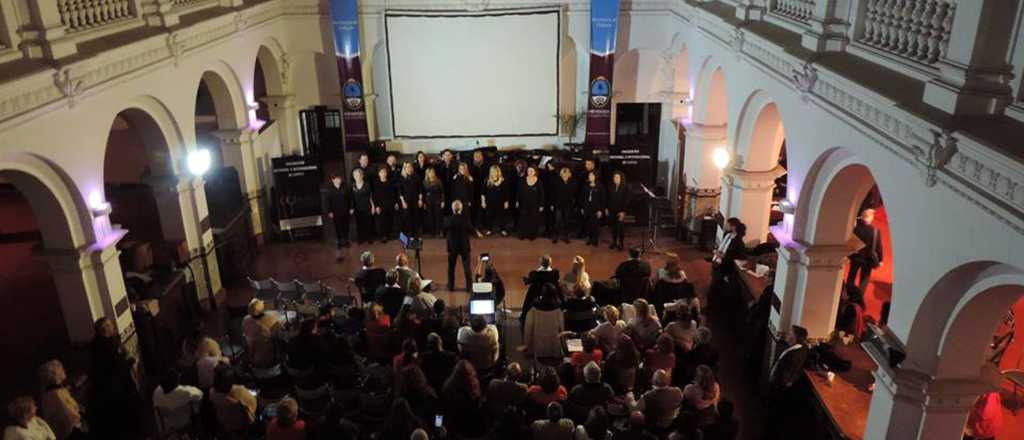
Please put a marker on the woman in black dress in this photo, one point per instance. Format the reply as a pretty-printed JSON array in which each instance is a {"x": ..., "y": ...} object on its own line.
[
  {"x": 410, "y": 199},
  {"x": 462, "y": 187},
  {"x": 385, "y": 199},
  {"x": 618, "y": 202},
  {"x": 421, "y": 165},
  {"x": 593, "y": 206},
  {"x": 495, "y": 201},
  {"x": 362, "y": 204},
  {"x": 563, "y": 201},
  {"x": 433, "y": 202},
  {"x": 530, "y": 203}
]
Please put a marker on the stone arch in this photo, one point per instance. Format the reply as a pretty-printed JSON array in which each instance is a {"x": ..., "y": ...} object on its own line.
[
  {"x": 228, "y": 96},
  {"x": 64, "y": 218},
  {"x": 163, "y": 121},
  {"x": 830, "y": 197},
  {"x": 759, "y": 133},
  {"x": 270, "y": 55},
  {"x": 711, "y": 103},
  {"x": 378, "y": 89}
]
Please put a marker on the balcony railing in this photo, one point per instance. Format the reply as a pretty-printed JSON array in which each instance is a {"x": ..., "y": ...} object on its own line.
[
  {"x": 916, "y": 30},
  {"x": 86, "y": 14},
  {"x": 799, "y": 10},
  {"x": 188, "y": 3}
]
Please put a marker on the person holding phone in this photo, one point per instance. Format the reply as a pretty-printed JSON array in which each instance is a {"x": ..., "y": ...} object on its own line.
[{"x": 486, "y": 273}]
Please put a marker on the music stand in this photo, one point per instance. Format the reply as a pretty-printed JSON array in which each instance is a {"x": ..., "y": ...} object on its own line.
[
  {"x": 415, "y": 245},
  {"x": 649, "y": 244}
]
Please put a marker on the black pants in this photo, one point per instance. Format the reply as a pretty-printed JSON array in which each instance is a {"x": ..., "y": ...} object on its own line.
[
  {"x": 561, "y": 225},
  {"x": 593, "y": 227},
  {"x": 410, "y": 223},
  {"x": 452, "y": 256},
  {"x": 864, "y": 268},
  {"x": 385, "y": 223},
  {"x": 618, "y": 229},
  {"x": 364, "y": 226},
  {"x": 432, "y": 218},
  {"x": 341, "y": 229}
]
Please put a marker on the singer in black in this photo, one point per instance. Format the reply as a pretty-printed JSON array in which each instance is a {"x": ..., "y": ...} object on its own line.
[
  {"x": 462, "y": 188},
  {"x": 410, "y": 199},
  {"x": 362, "y": 206},
  {"x": 589, "y": 165},
  {"x": 495, "y": 201},
  {"x": 458, "y": 229},
  {"x": 368, "y": 170},
  {"x": 618, "y": 203},
  {"x": 339, "y": 207},
  {"x": 593, "y": 206},
  {"x": 563, "y": 202},
  {"x": 433, "y": 202},
  {"x": 385, "y": 199},
  {"x": 446, "y": 170},
  {"x": 869, "y": 257},
  {"x": 530, "y": 204}
]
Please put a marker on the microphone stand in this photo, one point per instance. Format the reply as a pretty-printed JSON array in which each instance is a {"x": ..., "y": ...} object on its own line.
[{"x": 649, "y": 244}]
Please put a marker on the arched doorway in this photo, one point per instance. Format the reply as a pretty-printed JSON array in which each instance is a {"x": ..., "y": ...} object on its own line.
[{"x": 706, "y": 131}]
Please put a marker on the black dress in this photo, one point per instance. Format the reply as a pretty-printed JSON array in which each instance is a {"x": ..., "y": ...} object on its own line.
[
  {"x": 385, "y": 196},
  {"x": 338, "y": 204},
  {"x": 593, "y": 204},
  {"x": 496, "y": 214},
  {"x": 409, "y": 190},
  {"x": 362, "y": 198},
  {"x": 445, "y": 173},
  {"x": 563, "y": 201},
  {"x": 618, "y": 202},
  {"x": 530, "y": 203},
  {"x": 433, "y": 209},
  {"x": 462, "y": 190}
]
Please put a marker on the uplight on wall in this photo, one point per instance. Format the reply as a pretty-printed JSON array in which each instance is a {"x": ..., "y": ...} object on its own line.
[
  {"x": 721, "y": 157},
  {"x": 198, "y": 161}
]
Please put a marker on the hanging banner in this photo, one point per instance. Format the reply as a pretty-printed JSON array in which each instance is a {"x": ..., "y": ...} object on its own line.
[
  {"x": 345, "y": 22},
  {"x": 604, "y": 26}
]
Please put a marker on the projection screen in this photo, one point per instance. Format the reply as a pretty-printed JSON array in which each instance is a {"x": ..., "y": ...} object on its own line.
[{"x": 460, "y": 74}]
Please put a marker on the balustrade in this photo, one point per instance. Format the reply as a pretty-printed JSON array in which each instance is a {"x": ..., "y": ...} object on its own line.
[
  {"x": 86, "y": 14},
  {"x": 799, "y": 10},
  {"x": 918, "y": 30},
  {"x": 187, "y": 3}
]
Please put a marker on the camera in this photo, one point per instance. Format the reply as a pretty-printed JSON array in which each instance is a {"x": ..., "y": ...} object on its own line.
[{"x": 485, "y": 257}]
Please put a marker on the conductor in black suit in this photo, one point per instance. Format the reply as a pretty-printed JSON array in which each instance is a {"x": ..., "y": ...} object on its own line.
[
  {"x": 458, "y": 228},
  {"x": 869, "y": 257}
]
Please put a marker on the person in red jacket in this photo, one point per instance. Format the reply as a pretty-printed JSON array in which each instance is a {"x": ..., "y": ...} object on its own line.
[{"x": 986, "y": 419}]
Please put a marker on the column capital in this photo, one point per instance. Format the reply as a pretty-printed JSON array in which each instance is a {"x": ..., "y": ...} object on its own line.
[
  {"x": 86, "y": 257},
  {"x": 940, "y": 395},
  {"x": 815, "y": 256},
  {"x": 238, "y": 136},
  {"x": 284, "y": 101},
  {"x": 752, "y": 180},
  {"x": 706, "y": 132}
]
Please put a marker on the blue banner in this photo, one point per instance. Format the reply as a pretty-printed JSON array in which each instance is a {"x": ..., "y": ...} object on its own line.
[
  {"x": 345, "y": 23},
  {"x": 604, "y": 29}
]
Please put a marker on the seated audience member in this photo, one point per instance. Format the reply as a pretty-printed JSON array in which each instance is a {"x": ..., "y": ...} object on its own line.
[
  {"x": 985, "y": 420},
  {"x": 326, "y": 318},
  {"x": 645, "y": 327},
  {"x": 683, "y": 329},
  {"x": 621, "y": 365},
  {"x": 609, "y": 331},
  {"x": 554, "y": 427},
  {"x": 590, "y": 353},
  {"x": 589, "y": 394},
  {"x": 597, "y": 426},
  {"x": 419, "y": 434},
  {"x": 57, "y": 405},
  {"x": 374, "y": 401},
  {"x": 306, "y": 350},
  {"x": 369, "y": 278},
  {"x": 409, "y": 356},
  {"x": 233, "y": 405},
  {"x": 209, "y": 357},
  {"x": 26, "y": 426},
  {"x": 661, "y": 404},
  {"x": 548, "y": 389},
  {"x": 661, "y": 357},
  {"x": 577, "y": 278},
  {"x": 402, "y": 422},
  {"x": 726, "y": 427},
  {"x": 701, "y": 396},
  {"x": 506, "y": 392},
  {"x": 194, "y": 346},
  {"x": 461, "y": 399},
  {"x": 353, "y": 324},
  {"x": 637, "y": 429},
  {"x": 544, "y": 323},
  {"x": 391, "y": 294},
  {"x": 535, "y": 282},
  {"x": 671, "y": 272},
  {"x": 670, "y": 283},
  {"x": 411, "y": 384},
  {"x": 116, "y": 407},
  {"x": 344, "y": 365},
  {"x": 478, "y": 343},
  {"x": 406, "y": 274},
  {"x": 423, "y": 302},
  {"x": 510, "y": 426},
  {"x": 634, "y": 267},
  {"x": 703, "y": 353},
  {"x": 259, "y": 328},
  {"x": 376, "y": 320},
  {"x": 437, "y": 363},
  {"x": 580, "y": 311},
  {"x": 175, "y": 403},
  {"x": 287, "y": 426}
]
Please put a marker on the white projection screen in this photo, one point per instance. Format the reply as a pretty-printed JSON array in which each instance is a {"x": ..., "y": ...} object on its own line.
[{"x": 463, "y": 74}]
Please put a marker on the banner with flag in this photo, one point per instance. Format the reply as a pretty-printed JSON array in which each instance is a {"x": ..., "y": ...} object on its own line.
[
  {"x": 604, "y": 26},
  {"x": 345, "y": 22}
]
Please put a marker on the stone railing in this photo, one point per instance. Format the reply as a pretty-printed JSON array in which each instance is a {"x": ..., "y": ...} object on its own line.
[
  {"x": 188, "y": 3},
  {"x": 916, "y": 30},
  {"x": 87, "y": 14},
  {"x": 799, "y": 10}
]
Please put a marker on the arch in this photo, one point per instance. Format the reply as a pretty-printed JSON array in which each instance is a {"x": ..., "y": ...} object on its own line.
[
  {"x": 164, "y": 121},
  {"x": 711, "y": 103},
  {"x": 269, "y": 56},
  {"x": 829, "y": 198},
  {"x": 228, "y": 96},
  {"x": 759, "y": 134},
  {"x": 62, "y": 213},
  {"x": 680, "y": 80}
]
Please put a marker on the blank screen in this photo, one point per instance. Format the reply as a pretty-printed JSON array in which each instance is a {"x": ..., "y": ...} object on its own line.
[
  {"x": 481, "y": 307},
  {"x": 466, "y": 75}
]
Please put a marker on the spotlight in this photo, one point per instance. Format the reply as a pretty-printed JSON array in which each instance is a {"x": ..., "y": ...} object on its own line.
[
  {"x": 198, "y": 161},
  {"x": 721, "y": 158}
]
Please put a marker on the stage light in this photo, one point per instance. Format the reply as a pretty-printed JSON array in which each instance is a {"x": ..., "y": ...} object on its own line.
[
  {"x": 198, "y": 161},
  {"x": 721, "y": 158}
]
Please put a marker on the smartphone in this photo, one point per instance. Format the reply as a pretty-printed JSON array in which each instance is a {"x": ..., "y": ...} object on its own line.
[
  {"x": 485, "y": 256},
  {"x": 438, "y": 421}
]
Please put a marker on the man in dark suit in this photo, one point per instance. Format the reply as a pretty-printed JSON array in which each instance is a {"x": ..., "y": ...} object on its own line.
[
  {"x": 457, "y": 229},
  {"x": 634, "y": 267},
  {"x": 339, "y": 207},
  {"x": 390, "y": 295},
  {"x": 535, "y": 282},
  {"x": 869, "y": 257},
  {"x": 369, "y": 278},
  {"x": 446, "y": 170}
]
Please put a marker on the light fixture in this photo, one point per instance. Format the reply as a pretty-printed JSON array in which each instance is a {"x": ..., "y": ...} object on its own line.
[
  {"x": 787, "y": 207},
  {"x": 198, "y": 161},
  {"x": 721, "y": 157},
  {"x": 98, "y": 206},
  {"x": 687, "y": 100}
]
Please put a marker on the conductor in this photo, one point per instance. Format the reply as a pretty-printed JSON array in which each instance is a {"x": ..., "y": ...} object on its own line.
[{"x": 458, "y": 227}]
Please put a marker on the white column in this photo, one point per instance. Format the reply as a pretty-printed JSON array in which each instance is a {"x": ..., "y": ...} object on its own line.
[
  {"x": 237, "y": 151},
  {"x": 915, "y": 406},
  {"x": 199, "y": 238},
  {"x": 808, "y": 281},
  {"x": 703, "y": 179},
  {"x": 747, "y": 195},
  {"x": 282, "y": 111},
  {"x": 974, "y": 75}
]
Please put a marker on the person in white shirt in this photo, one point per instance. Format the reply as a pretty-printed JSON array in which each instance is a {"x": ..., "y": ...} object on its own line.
[
  {"x": 175, "y": 403},
  {"x": 26, "y": 425},
  {"x": 209, "y": 357},
  {"x": 478, "y": 343}
]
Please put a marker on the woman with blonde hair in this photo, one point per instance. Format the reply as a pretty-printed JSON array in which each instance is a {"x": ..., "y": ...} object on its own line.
[
  {"x": 645, "y": 327},
  {"x": 433, "y": 201},
  {"x": 577, "y": 279},
  {"x": 608, "y": 332},
  {"x": 495, "y": 201},
  {"x": 26, "y": 425},
  {"x": 56, "y": 404}
]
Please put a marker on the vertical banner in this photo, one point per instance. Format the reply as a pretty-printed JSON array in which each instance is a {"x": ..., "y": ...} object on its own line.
[
  {"x": 604, "y": 25},
  {"x": 345, "y": 22}
]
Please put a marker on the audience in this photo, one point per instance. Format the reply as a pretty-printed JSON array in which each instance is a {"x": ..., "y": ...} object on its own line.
[
  {"x": 597, "y": 426},
  {"x": 408, "y": 356},
  {"x": 726, "y": 427},
  {"x": 306, "y": 350},
  {"x": 411, "y": 384},
  {"x": 437, "y": 363},
  {"x": 554, "y": 427},
  {"x": 369, "y": 278},
  {"x": 26, "y": 426},
  {"x": 620, "y": 368},
  {"x": 116, "y": 407},
  {"x": 56, "y": 404},
  {"x": 233, "y": 405},
  {"x": 609, "y": 331},
  {"x": 701, "y": 396},
  {"x": 661, "y": 404},
  {"x": 506, "y": 392},
  {"x": 536, "y": 281},
  {"x": 592, "y": 393},
  {"x": 286, "y": 425},
  {"x": 590, "y": 353},
  {"x": 548, "y": 389},
  {"x": 175, "y": 403},
  {"x": 402, "y": 422},
  {"x": 259, "y": 328},
  {"x": 683, "y": 329},
  {"x": 637, "y": 429},
  {"x": 391, "y": 294},
  {"x": 645, "y": 327},
  {"x": 462, "y": 399},
  {"x": 661, "y": 357},
  {"x": 478, "y": 343},
  {"x": 544, "y": 324}
]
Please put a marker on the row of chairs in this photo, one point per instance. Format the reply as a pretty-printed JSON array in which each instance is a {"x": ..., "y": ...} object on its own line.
[{"x": 296, "y": 293}]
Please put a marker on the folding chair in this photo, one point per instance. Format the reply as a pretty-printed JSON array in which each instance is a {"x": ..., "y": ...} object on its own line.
[
  {"x": 288, "y": 294},
  {"x": 265, "y": 290}
]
